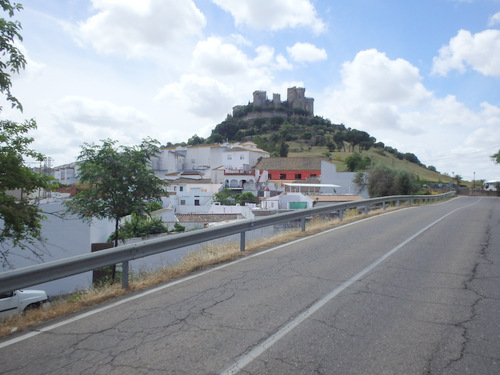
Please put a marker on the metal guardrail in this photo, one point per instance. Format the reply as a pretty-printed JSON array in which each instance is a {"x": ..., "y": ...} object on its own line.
[{"x": 40, "y": 273}]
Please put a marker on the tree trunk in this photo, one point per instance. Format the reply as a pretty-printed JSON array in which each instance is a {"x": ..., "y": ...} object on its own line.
[{"x": 113, "y": 267}]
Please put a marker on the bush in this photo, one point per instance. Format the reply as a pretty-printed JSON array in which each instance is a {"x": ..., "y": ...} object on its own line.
[
  {"x": 355, "y": 162},
  {"x": 179, "y": 228},
  {"x": 384, "y": 181},
  {"x": 140, "y": 226}
]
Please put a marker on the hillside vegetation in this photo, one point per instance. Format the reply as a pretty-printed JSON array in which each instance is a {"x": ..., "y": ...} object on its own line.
[{"x": 296, "y": 134}]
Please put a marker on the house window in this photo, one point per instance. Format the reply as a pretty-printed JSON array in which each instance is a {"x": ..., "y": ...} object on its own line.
[
  {"x": 183, "y": 202},
  {"x": 196, "y": 202},
  {"x": 229, "y": 157},
  {"x": 313, "y": 175},
  {"x": 298, "y": 176},
  {"x": 181, "y": 188},
  {"x": 242, "y": 157},
  {"x": 282, "y": 176},
  {"x": 269, "y": 176}
]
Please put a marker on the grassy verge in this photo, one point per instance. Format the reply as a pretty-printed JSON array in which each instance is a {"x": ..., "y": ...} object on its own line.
[{"x": 210, "y": 255}]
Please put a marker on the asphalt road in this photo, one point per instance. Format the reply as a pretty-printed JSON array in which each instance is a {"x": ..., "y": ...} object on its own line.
[{"x": 414, "y": 291}]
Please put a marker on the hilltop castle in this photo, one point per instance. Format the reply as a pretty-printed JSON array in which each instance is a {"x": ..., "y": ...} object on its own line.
[{"x": 296, "y": 103}]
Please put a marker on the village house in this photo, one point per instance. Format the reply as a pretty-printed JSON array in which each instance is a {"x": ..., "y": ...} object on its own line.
[{"x": 282, "y": 169}]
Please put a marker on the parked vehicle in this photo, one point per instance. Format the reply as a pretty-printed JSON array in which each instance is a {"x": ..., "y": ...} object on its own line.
[
  {"x": 21, "y": 300},
  {"x": 491, "y": 185}
]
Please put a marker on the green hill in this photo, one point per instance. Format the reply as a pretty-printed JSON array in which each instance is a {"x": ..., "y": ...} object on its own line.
[{"x": 298, "y": 134}]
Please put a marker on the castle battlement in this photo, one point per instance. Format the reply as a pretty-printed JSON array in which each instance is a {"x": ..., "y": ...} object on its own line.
[{"x": 296, "y": 100}]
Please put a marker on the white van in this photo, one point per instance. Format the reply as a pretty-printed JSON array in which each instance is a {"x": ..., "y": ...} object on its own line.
[
  {"x": 491, "y": 185},
  {"x": 19, "y": 300}
]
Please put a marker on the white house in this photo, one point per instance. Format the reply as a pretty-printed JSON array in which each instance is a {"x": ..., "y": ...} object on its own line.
[
  {"x": 208, "y": 160},
  {"x": 287, "y": 201},
  {"x": 66, "y": 174},
  {"x": 185, "y": 192}
]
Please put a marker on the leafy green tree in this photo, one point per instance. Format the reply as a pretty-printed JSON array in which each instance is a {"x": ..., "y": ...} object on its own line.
[
  {"x": 356, "y": 162},
  {"x": 384, "y": 181},
  {"x": 405, "y": 183},
  {"x": 246, "y": 197},
  {"x": 195, "y": 140},
  {"x": 339, "y": 138},
  {"x": 239, "y": 135},
  {"x": 225, "y": 197},
  {"x": 277, "y": 120},
  {"x": 116, "y": 181},
  {"x": 20, "y": 218},
  {"x": 496, "y": 157},
  {"x": 12, "y": 59},
  {"x": 215, "y": 138},
  {"x": 284, "y": 149}
]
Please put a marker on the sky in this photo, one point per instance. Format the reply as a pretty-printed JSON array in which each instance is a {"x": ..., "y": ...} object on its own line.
[{"x": 420, "y": 76}]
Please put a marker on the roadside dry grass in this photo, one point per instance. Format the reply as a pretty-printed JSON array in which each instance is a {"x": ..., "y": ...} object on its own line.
[{"x": 209, "y": 256}]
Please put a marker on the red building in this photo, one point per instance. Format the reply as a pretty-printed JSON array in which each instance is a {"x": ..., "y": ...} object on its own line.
[{"x": 290, "y": 169}]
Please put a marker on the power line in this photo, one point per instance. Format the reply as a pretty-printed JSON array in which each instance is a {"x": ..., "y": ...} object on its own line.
[{"x": 461, "y": 155}]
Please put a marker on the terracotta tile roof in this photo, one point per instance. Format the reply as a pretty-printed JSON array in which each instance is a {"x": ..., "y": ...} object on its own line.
[{"x": 290, "y": 164}]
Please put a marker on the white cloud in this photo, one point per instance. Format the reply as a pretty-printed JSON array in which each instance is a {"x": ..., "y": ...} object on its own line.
[
  {"x": 219, "y": 78},
  {"x": 387, "y": 99},
  {"x": 225, "y": 61},
  {"x": 480, "y": 51},
  {"x": 273, "y": 14},
  {"x": 306, "y": 52},
  {"x": 494, "y": 19},
  {"x": 373, "y": 77},
  {"x": 216, "y": 57},
  {"x": 96, "y": 119},
  {"x": 202, "y": 96},
  {"x": 135, "y": 27}
]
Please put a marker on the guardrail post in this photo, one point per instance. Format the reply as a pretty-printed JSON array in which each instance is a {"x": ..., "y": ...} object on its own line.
[
  {"x": 383, "y": 206},
  {"x": 303, "y": 224},
  {"x": 367, "y": 209},
  {"x": 125, "y": 274},
  {"x": 242, "y": 241},
  {"x": 341, "y": 215}
]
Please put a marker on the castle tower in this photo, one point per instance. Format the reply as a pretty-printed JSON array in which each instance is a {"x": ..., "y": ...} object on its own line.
[
  {"x": 296, "y": 99},
  {"x": 276, "y": 100},
  {"x": 259, "y": 98}
]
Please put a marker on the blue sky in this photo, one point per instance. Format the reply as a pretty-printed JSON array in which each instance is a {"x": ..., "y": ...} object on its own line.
[{"x": 421, "y": 76}]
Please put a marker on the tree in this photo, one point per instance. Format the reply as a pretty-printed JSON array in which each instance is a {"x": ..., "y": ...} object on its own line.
[
  {"x": 356, "y": 162},
  {"x": 339, "y": 138},
  {"x": 225, "y": 197},
  {"x": 496, "y": 157},
  {"x": 384, "y": 181},
  {"x": 195, "y": 140},
  {"x": 116, "y": 181},
  {"x": 284, "y": 149},
  {"x": 246, "y": 197},
  {"x": 20, "y": 218},
  {"x": 13, "y": 60}
]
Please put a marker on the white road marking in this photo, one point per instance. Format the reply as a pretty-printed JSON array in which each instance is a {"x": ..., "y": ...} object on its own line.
[
  {"x": 245, "y": 359},
  {"x": 165, "y": 286}
]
